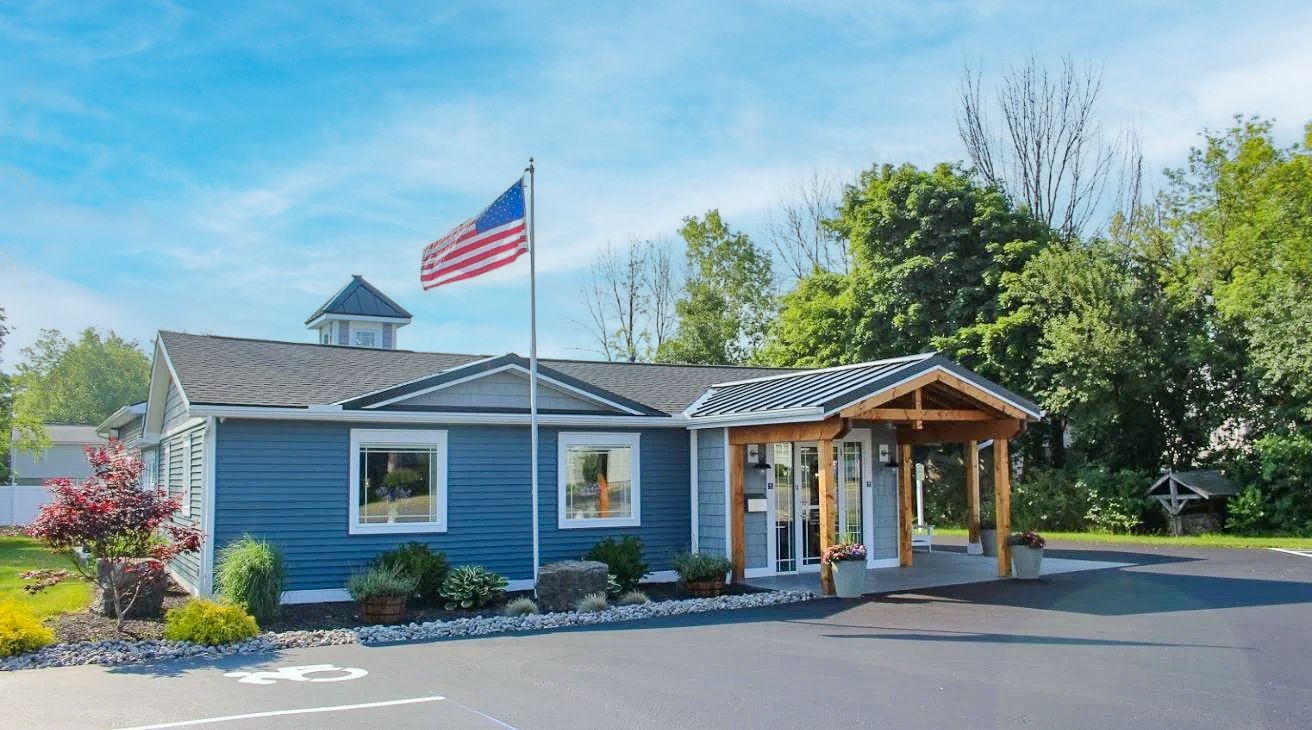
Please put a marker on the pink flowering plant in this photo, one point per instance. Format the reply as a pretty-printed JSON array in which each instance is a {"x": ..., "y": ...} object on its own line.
[
  {"x": 1028, "y": 539},
  {"x": 126, "y": 529},
  {"x": 843, "y": 551}
]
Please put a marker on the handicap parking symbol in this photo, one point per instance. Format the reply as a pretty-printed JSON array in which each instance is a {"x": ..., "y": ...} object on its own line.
[{"x": 304, "y": 673}]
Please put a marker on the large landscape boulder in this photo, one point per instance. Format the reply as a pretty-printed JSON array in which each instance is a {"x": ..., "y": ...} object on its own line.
[
  {"x": 143, "y": 576},
  {"x": 561, "y": 585}
]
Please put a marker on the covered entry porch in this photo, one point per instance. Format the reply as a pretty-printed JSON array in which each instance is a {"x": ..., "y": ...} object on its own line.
[{"x": 823, "y": 456}]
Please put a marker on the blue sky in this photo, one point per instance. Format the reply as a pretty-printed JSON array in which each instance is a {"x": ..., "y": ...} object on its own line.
[{"x": 225, "y": 167}]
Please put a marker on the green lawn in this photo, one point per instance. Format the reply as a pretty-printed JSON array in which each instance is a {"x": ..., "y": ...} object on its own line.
[
  {"x": 1220, "y": 541},
  {"x": 20, "y": 554}
]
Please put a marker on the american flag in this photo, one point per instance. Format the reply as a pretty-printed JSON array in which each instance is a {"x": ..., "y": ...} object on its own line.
[{"x": 490, "y": 240}]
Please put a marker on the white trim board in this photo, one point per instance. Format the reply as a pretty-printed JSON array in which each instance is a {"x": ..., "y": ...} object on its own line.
[
  {"x": 508, "y": 367},
  {"x": 278, "y": 413},
  {"x": 631, "y": 441},
  {"x": 434, "y": 438}
]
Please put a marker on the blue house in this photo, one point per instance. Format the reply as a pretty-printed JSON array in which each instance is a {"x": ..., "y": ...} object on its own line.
[{"x": 341, "y": 449}]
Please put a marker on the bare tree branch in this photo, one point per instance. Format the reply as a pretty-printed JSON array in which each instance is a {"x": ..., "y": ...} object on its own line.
[
  {"x": 629, "y": 294},
  {"x": 798, "y": 231}
]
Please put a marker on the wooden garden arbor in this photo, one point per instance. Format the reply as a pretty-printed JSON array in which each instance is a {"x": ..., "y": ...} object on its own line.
[{"x": 936, "y": 406}]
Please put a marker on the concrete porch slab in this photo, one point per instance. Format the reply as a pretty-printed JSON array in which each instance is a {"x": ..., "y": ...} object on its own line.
[{"x": 929, "y": 570}]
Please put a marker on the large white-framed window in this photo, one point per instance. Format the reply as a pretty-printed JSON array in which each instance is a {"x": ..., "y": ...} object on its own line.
[
  {"x": 186, "y": 476},
  {"x": 598, "y": 482},
  {"x": 398, "y": 481}
]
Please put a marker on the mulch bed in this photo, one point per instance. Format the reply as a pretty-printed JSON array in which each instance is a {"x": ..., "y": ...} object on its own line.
[{"x": 87, "y": 625}]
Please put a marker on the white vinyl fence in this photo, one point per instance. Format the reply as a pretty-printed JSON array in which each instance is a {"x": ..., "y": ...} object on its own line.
[{"x": 20, "y": 503}]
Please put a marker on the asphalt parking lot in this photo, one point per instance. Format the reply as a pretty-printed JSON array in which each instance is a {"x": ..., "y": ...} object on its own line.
[{"x": 1183, "y": 638}]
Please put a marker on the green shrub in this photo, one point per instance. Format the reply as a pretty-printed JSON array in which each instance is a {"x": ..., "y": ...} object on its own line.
[
  {"x": 1284, "y": 463},
  {"x": 693, "y": 567},
  {"x": 633, "y": 598},
  {"x": 623, "y": 559},
  {"x": 591, "y": 603},
  {"x": 521, "y": 607},
  {"x": 428, "y": 568},
  {"x": 20, "y": 631},
  {"x": 472, "y": 586},
  {"x": 250, "y": 574},
  {"x": 207, "y": 622},
  {"x": 380, "y": 582},
  {"x": 1246, "y": 512}
]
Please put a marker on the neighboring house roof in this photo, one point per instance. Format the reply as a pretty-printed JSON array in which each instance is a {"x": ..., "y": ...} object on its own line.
[
  {"x": 360, "y": 298},
  {"x": 827, "y": 390},
  {"x": 62, "y": 433},
  {"x": 122, "y": 416},
  {"x": 1206, "y": 483},
  {"x": 214, "y": 370}
]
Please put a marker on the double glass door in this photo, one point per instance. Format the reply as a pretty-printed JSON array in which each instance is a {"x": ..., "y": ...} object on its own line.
[{"x": 796, "y": 543}]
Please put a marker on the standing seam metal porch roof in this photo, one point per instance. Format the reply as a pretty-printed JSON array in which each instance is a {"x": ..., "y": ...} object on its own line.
[{"x": 832, "y": 388}]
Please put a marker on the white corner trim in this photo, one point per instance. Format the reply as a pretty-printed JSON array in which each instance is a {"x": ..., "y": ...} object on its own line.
[
  {"x": 409, "y": 436},
  {"x": 182, "y": 580},
  {"x": 632, "y": 441},
  {"x": 694, "y": 519},
  {"x": 207, "y": 500}
]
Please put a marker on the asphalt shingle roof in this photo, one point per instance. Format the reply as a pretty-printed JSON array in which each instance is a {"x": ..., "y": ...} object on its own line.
[{"x": 217, "y": 370}]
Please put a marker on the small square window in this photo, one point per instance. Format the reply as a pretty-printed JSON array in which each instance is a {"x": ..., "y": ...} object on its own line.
[
  {"x": 599, "y": 484},
  {"x": 366, "y": 338}
]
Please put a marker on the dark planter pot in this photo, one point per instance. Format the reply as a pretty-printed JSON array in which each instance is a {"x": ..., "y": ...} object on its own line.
[
  {"x": 706, "y": 588},
  {"x": 383, "y": 609}
]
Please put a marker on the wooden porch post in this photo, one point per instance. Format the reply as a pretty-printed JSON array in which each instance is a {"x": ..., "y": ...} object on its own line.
[
  {"x": 737, "y": 520},
  {"x": 972, "y": 493},
  {"x": 1002, "y": 503},
  {"x": 828, "y": 510},
  {"x": 904, "y": 489}
]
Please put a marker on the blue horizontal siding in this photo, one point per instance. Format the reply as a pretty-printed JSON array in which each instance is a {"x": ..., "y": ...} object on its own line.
[{"x": 287, "y": 482}]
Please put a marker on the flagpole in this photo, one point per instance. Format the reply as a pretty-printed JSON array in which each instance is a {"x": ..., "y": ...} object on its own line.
[{"x": 533, "y": 358}]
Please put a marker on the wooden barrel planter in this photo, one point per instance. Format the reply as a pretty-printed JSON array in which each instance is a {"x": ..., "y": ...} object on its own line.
[
  {"x": 383, "y": 609},
  {"x": 706, "y": 588}
]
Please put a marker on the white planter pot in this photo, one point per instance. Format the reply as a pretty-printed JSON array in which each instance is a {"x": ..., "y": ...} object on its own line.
[
  {"x": 988, "y": 541},
  {"x": 1026, "y": 561},
  {"x": 849, "y": 578}
]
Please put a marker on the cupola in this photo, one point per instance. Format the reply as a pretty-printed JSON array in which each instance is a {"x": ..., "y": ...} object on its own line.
[{"x": 359, "y": 316}]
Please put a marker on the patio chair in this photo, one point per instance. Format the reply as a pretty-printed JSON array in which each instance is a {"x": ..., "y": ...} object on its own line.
[{"x": 922, "y": 536}]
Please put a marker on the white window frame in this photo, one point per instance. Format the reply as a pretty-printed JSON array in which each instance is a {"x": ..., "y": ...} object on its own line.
[
  {"x": 380, "y": 437},
  {"x": 162, "y": 471},
  {"x": 630, "y": 440},
  {"x": 376, "y": 331}
]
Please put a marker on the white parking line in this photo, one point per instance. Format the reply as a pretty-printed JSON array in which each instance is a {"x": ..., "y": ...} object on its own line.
[
  {"x": 302, "y": 711},
  {"x": 1300, "y": 553}
]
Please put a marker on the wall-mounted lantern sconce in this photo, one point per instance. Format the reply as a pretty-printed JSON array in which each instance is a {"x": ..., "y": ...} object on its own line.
[
  {"x": 756, "y": 456},
  {"x": 886, "y": 456}
]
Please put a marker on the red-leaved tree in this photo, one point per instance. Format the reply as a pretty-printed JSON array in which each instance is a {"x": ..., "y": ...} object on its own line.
[{"x": 122, "y": 527}]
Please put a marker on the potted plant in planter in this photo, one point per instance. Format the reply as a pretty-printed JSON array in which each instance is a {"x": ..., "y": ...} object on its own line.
[
  {"x": 703, "y": 573},
  {"x": 988, "y": 538},
  {"x": 1026, "y": 554},
  {"x": 848, "y": 561},
  {"x": 381, "y": 593}
]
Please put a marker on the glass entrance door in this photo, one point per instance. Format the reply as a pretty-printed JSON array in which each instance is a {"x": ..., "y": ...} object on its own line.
[
  {"x": 785, "y": 510},
  {"x": 804, "y": 527},
  {"x": 808, "y": 503}
]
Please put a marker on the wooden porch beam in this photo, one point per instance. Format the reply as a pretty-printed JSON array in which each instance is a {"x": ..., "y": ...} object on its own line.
[
  {"x": 828, "y": 511},
  {"x": 919, "y": 405},
  {"x": 737, "y": 512},
  {"x": 948, "y": 433},
  {"x": 833, "y": 427},
  {"x": 926, "y": 414},
  {"x": 905, "y": 506},
  {"x": 962, "y": 386},
  {"x": 1002, "y": 503}
]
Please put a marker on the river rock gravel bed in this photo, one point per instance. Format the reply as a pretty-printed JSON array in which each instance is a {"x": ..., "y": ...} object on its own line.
[{"x": 120, "y": 652}]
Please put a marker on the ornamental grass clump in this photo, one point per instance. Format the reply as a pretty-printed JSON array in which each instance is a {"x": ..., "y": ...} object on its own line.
[
  {"x": 521, "y": 607},
  {"x": 202, "y": 621},
  {"x": 472, "y": 586},
  {"x": 250, "y": 574},
  {"x": 592, "y": 603},
  {"x": 390, "y": 582},
  {"x": 20, "y": 631},
  {"x": 632, "y": 598}
]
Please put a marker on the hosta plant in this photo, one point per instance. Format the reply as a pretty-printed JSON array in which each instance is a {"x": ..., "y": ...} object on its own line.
[{"x": 472, "y": 586}]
